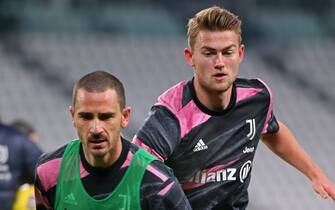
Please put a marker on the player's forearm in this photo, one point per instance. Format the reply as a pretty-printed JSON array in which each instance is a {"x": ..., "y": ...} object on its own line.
[
  {"x": 286, "y": 147},
  {"x": 42, "y": 202}
]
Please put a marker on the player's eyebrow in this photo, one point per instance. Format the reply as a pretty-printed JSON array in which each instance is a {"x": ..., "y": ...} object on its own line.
[
  {"x": 212, "y": 49},
  {"x": 106, "y": 115},
  {"x": 85, "y": 114}
]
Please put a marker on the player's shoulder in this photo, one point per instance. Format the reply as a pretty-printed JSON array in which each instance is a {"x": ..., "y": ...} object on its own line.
[
  {"x": 158, "y": 166},
  {"x": 7, "y": 131},
  {"x": 250, "y": 83},
  {"x": 156, "y": 169},
  {"x": 172, "y": 97},
  {"x": 175, "y": 90},
  {"x": 52, "y": 155},
  {"x": 48, "y": 166},
  {"x": 18, "y": 142}
]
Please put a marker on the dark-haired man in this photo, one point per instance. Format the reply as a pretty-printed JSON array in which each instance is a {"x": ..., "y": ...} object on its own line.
[{"x": 101, "y": 170}]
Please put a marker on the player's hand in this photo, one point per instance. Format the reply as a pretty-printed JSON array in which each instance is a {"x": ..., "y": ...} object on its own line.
[{"x": 324, "y": 187}]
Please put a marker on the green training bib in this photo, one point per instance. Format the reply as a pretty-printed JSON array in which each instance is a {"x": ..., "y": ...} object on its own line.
[{"x": 71, "y": 194}]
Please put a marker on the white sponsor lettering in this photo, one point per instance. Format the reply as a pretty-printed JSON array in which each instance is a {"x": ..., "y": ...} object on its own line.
[
  {"x": 3, "y": 154},
  {"x": 4, "y": 168},
  {"x": 225, "y": 174},
  {"x": 245, "y": 169},
  {"x": 249, "y": 149},
  {"x": 5, "y": 176},
  {"x": 216, "y": 176}
]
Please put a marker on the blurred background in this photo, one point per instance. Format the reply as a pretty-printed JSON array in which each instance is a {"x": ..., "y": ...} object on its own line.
[{"x": 46, "y": 45}]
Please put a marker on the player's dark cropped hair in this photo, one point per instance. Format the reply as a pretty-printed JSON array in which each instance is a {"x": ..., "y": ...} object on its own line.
[{"x": 100, "y": 81}]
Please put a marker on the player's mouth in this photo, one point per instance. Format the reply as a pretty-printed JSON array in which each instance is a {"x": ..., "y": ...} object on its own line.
[
  {"x": 97, "y": 144},
  {"x": 220, "y": 76},
  {"x": 97, "y": 139}
]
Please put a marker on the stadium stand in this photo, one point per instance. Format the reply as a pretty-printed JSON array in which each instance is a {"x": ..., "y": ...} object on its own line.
[{"x": 23, "y": 94}]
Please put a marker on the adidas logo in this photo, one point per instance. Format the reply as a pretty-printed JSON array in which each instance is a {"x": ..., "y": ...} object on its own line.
[
  {"x": 200, "y": 146},
  {"x": 70, "y": 199}
]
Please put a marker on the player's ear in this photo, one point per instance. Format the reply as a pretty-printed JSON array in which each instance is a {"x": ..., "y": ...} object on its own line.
[
  {"x": 241, "y": 52},
  {"x": 188, "y": 56},
  {"x": 125, "y": 116},
  {"x": 71, "y": 110}
]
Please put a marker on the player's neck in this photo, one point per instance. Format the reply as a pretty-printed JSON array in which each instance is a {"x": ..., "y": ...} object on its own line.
[
  {"x": 215, "y": 101},
  {"x": 105, "y": 160}
]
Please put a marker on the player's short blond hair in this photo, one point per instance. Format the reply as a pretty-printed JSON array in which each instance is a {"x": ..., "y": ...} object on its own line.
[{"x": 212, "y": 19}]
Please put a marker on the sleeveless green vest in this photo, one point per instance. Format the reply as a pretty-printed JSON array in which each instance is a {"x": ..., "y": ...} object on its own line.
[{"x": 71, "y": 194}]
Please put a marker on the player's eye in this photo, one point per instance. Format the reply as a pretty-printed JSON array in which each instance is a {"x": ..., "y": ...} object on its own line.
[
  {"x": 105, "y": 116},
  {"x": 208, "y": 53},
  {"x": 228, "y": 52},
  {"x": 85, "y": 116}
]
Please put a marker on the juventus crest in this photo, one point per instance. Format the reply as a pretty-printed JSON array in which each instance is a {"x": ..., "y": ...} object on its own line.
[{"x": 252, "y": 128}]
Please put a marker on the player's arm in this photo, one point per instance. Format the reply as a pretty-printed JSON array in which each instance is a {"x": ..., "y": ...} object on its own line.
[
  {"x": 160, "y": 133},
  {"x": 46, "y": 176},
  {"x": 285, "y": 145},
  {"x": 42, "y": 201},
  {"x": 160, "y": 189}
]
